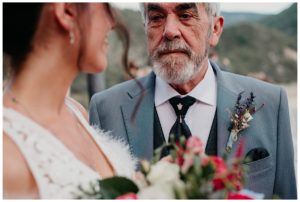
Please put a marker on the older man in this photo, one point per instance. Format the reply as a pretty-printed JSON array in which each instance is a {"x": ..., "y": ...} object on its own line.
[{"x": 188, "y": 95}]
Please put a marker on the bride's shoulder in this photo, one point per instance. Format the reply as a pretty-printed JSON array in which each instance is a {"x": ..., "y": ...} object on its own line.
[
  {"x": 78, "y": 106},
  {"x": 15, "y": 169}
]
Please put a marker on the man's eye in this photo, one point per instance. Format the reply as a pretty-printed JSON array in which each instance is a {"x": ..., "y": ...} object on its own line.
[
  {"x": 185, "y": 16},
  {"x": 155, "y": 18}
]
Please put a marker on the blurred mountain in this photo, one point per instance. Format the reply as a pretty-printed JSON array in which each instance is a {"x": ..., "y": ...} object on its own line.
[
  {"x": 251, "y": 48},
  {"x": 267, "y": 45},
  {"x": 235, "y": 18},
  {"x": 285, "y": 21}
]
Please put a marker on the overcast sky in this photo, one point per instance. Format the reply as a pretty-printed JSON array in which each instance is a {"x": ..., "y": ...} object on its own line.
[{"x": 264, "y": 8}]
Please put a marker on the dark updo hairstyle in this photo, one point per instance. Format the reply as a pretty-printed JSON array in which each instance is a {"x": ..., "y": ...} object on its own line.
[{"x": 19, "y": 24}]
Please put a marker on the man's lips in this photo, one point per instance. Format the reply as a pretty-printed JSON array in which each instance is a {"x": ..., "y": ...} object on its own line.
[{"x": 173, "y": 52}]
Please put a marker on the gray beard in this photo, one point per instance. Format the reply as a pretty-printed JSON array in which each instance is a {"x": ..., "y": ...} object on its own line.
[{"x": 176, "y": 71}]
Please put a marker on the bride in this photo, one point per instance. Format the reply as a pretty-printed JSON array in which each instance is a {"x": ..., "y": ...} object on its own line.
[{"x": 49, "y": 148}]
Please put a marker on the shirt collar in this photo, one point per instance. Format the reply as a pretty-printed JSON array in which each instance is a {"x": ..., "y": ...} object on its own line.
[{"x": 205, "y": 91}]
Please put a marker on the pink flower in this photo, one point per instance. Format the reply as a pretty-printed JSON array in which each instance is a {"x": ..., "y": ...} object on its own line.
[
  {"x": 194, "y": 145},
  {"x": 127, "y": 196},
  {"x": 187, "y": 163},
  {"x": 238, "y": 196}
]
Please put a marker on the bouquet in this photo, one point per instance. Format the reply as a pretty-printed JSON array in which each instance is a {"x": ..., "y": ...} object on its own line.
[{"x": 187, "y": 173}]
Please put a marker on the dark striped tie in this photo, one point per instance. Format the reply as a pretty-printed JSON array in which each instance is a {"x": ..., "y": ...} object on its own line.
[{"x": 181, "y": 106}]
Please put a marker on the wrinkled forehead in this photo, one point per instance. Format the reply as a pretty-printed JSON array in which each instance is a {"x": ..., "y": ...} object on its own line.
[{"x": 169, "y": 7}]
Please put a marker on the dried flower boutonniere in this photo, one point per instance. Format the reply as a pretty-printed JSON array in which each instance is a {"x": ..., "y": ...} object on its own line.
[{"x": 240, "y": 117}]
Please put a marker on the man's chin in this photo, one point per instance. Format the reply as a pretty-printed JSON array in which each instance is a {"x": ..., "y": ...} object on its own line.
[{"x": 170, "y": 77}]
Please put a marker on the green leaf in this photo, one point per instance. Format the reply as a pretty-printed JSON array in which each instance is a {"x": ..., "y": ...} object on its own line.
[
  {"x": 197, "y": 166},
  {"x": 208, "y": 171},
  {"x": 113, "y": 187}
]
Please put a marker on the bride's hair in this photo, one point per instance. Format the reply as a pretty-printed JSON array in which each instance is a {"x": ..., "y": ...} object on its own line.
[{"x": 20, "y": 22}]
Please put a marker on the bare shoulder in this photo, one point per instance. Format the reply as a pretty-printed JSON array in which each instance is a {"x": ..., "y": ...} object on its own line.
[
  {"x": 80, "y": 107},
  {"x": 15, "y": 169}
]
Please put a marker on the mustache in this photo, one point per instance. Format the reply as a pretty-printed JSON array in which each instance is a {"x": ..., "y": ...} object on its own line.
[{"x": 172, "y": 46}]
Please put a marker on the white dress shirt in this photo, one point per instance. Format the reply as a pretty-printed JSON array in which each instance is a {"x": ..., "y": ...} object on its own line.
[{"x": 200, "y": 115}]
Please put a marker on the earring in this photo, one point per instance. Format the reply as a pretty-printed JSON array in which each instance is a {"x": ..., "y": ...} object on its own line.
[{"x": 72, "y": 37}]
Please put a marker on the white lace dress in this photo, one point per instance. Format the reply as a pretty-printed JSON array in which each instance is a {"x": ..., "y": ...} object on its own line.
[{"x": 56, "y": 170}]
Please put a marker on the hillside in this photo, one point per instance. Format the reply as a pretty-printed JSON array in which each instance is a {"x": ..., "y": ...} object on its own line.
[
  {"x": 252, "y": 48},
  {"x": 285, "y": 21},
  {"x": 235, "y": 18}
]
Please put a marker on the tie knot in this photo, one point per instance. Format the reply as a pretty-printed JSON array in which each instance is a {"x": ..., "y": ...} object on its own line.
[{"x": 181, "y": 105}]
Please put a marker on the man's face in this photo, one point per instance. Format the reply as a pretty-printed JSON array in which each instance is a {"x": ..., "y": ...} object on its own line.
[{"x": 178, "y": 39}]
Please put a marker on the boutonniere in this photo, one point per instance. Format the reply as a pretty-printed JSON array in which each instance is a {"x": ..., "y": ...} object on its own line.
[{"x": 240, "y": 117}]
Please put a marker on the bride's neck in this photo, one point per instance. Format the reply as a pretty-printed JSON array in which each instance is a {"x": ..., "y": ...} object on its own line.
[{"x": 43, "y": 84}]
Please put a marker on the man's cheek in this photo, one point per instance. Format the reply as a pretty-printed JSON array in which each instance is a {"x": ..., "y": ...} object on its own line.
[{"x": 152, "y": 46}]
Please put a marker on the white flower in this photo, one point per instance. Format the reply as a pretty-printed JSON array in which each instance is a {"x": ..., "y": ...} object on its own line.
[
  {"x": 163, "y": 171},
  {"x": 248, "y": 116},
  {"x": 164, "y": 190},
  {"x": 157, "y": 191},
  {"x": 244, "y": 126},
  {"x": 140, "y": 180},
  {"x": 145, "y": 165}
]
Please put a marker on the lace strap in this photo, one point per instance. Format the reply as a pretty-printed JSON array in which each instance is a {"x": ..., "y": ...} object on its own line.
[
  {"x": 80, "y": 116},
  {"x": 77, "y": 112}
]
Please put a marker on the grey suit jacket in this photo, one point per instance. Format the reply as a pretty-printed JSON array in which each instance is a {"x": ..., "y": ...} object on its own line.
[{"x": 270, "y": 129}]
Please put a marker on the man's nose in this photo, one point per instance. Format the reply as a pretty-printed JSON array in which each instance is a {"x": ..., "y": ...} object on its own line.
[{"x": 171, "y": 29}]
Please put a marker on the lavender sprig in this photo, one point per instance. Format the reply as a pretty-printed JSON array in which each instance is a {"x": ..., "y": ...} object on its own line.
[{"x": 241, "y": 116}]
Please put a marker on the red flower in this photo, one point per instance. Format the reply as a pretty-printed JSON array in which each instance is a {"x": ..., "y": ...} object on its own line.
[
  {"x": 220, "y": 171},
  {"x": 218, "y": 184},
  {"x": 238, "y": 196},
  {"x": 194, "y": 145},
  {"x": 235, "y": 180},
  {"x": 179, "y": 160},
  {"x": 240, "y": 149},
  {"x": 127, "y": 196},
  {"x": 179, "y": 155},
  {"x": 219, "y": 164}
]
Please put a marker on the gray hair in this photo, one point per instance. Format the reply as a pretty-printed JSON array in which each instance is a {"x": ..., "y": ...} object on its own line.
[{"x": 212, "y": 9}]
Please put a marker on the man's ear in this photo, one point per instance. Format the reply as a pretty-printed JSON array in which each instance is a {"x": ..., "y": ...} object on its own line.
[
  {"x": 217, "y": 30},
  {"x": 65, "y": 15}
]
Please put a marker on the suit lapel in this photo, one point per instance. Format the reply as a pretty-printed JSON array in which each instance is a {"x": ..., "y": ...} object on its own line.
[
  {"x": 140, "y": 131},
  {"x": 227, "y": 92}
]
